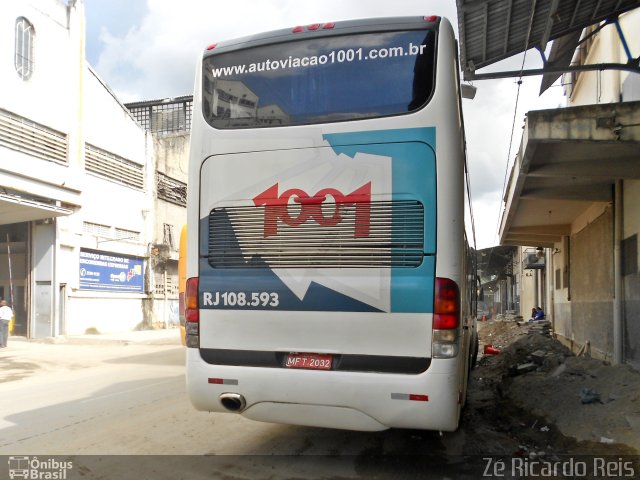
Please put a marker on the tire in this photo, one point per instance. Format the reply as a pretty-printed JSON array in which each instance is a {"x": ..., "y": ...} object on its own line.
[{"x": 474, "y": 349}]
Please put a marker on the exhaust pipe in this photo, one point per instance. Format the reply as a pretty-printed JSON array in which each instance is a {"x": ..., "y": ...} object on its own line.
[{"x": 234, "y": 402}]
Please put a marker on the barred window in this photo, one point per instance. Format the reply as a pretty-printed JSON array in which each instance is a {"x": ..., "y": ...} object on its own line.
[
  {"x": 163, "y": 116},
  {"x": 23, "y": 58},
  {"x": 171, "y": 190}
]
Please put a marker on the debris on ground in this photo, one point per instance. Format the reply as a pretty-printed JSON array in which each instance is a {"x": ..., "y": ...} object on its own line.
[
  {"x": 580, "y": 398},
  {"x": 491, "y": 350},
  {"x": 543, "y": 327},
  {"x": 589, "y": 396}
]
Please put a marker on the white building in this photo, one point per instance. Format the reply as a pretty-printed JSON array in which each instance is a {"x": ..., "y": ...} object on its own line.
[{"x": 78, "y": 184}]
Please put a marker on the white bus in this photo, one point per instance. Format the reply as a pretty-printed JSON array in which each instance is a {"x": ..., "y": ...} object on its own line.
[{"x": 330, "y": 280}]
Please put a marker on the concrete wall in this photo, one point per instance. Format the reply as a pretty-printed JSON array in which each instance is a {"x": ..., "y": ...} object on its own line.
[
  {"x": 598, "y": 87},
  {"x": 631, "y": 281},
  {"x": 594, "y": 88},
  {"x": 605, "y": 86},
  {"x": 107, "y": 123},
  {"x": 167, "y": 314},
  {"x": 172, "y": 158},
  {"x": 591, "y": 273},
  {"x": 89, "y": 312},
  {"x": 632, "y": 319},
  {"x": 172, "y": 155},
  {"x": 559, "y": 287},
  {"x": 51, "y": 96},
  {"x": 56, "y": 63}
]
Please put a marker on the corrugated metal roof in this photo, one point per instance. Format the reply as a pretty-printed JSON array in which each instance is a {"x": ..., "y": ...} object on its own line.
[{"x": 492, "y": 30}]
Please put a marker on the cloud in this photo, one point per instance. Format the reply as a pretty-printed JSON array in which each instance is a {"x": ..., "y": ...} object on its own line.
[{"x": 156, "y": 58}]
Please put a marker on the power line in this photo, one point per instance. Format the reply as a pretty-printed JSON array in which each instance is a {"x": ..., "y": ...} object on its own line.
[
  {"x": 506, "y": 169},
  {"x": 513, "y": 122}
]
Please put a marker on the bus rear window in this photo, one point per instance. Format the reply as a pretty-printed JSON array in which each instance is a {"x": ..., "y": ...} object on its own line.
[{"x": 319, "y": 80}]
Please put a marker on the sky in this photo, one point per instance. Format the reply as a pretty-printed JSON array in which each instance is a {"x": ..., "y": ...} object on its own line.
[{"x": 148, "y": 49}]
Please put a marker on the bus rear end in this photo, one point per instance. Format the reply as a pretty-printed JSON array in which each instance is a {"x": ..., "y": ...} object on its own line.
[{"x": 317, "y": 293}]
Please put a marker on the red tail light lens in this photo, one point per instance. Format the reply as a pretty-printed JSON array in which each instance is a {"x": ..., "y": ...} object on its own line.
[
  {"x": 446, "y": 308},
  {"x": 431, "y": 18},
  {"x": 191, "y": 312}
]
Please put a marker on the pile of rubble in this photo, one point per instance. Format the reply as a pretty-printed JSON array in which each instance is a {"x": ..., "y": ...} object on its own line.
[
  {"x": 543, "y": 327},
  {"x": 585, "y": 398}
]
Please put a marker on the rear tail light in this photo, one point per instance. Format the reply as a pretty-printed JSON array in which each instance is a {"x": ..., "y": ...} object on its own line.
[
  {"x": 446, "y": 309},
  {"x": 446, "y": 318},
  {"x": 192, "y": 313}
]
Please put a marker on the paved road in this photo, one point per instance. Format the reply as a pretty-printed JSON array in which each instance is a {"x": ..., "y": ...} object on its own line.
[{"x": 129, "y": 399}]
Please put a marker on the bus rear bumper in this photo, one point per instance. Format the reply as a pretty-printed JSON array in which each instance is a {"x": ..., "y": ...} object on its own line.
[
  {"x": 343, "y": 400},
  {"x": 313, "y": 416}
]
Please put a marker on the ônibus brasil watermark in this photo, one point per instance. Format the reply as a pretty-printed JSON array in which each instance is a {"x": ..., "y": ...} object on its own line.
[
  {"x": 334, "y": 56},
  {"x": 522, "y": 467},
  {"x": 34, "y": 468}
]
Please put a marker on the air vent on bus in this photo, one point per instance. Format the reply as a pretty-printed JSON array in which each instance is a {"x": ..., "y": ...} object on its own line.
[{"x": 375, "y": 234}]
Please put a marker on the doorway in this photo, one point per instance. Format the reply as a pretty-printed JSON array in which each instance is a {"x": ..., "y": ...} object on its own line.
[{"x": 13, "y": 272}]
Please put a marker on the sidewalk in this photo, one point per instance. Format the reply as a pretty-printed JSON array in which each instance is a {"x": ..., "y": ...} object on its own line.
[{"x": 24, "y": 358}]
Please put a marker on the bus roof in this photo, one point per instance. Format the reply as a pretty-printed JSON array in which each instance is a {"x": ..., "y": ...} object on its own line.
[{"x": 380, "y": 24}]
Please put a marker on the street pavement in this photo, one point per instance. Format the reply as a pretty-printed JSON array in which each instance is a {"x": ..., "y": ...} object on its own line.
[{"x": 23, "y": 358}]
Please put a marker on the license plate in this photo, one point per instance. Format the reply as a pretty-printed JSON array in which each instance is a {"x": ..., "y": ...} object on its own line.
[{"x": 312, "y": 361}]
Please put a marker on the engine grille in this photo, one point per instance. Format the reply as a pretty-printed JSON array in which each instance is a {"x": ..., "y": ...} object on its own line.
[{"x": 358, "y": 235}]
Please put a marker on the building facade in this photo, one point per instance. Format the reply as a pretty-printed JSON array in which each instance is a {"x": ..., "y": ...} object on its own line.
[
  {"x": 168, "y": 121},
  {"x": 574, "y": 191},
  {"x": 81, "y": 219}
]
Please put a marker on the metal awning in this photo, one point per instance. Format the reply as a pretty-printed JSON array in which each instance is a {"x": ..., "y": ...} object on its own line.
[
  {"x": 569, "y": 159},
  {"x": 493, "y": 30},
  {"x": 16, "y": 208}
]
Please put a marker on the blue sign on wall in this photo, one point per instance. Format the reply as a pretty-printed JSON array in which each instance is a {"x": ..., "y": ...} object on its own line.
[{"x": 111, "y": 272}]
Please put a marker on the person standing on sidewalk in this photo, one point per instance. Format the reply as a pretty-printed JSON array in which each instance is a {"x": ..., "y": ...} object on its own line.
[{"x": 6, "y": 314}]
